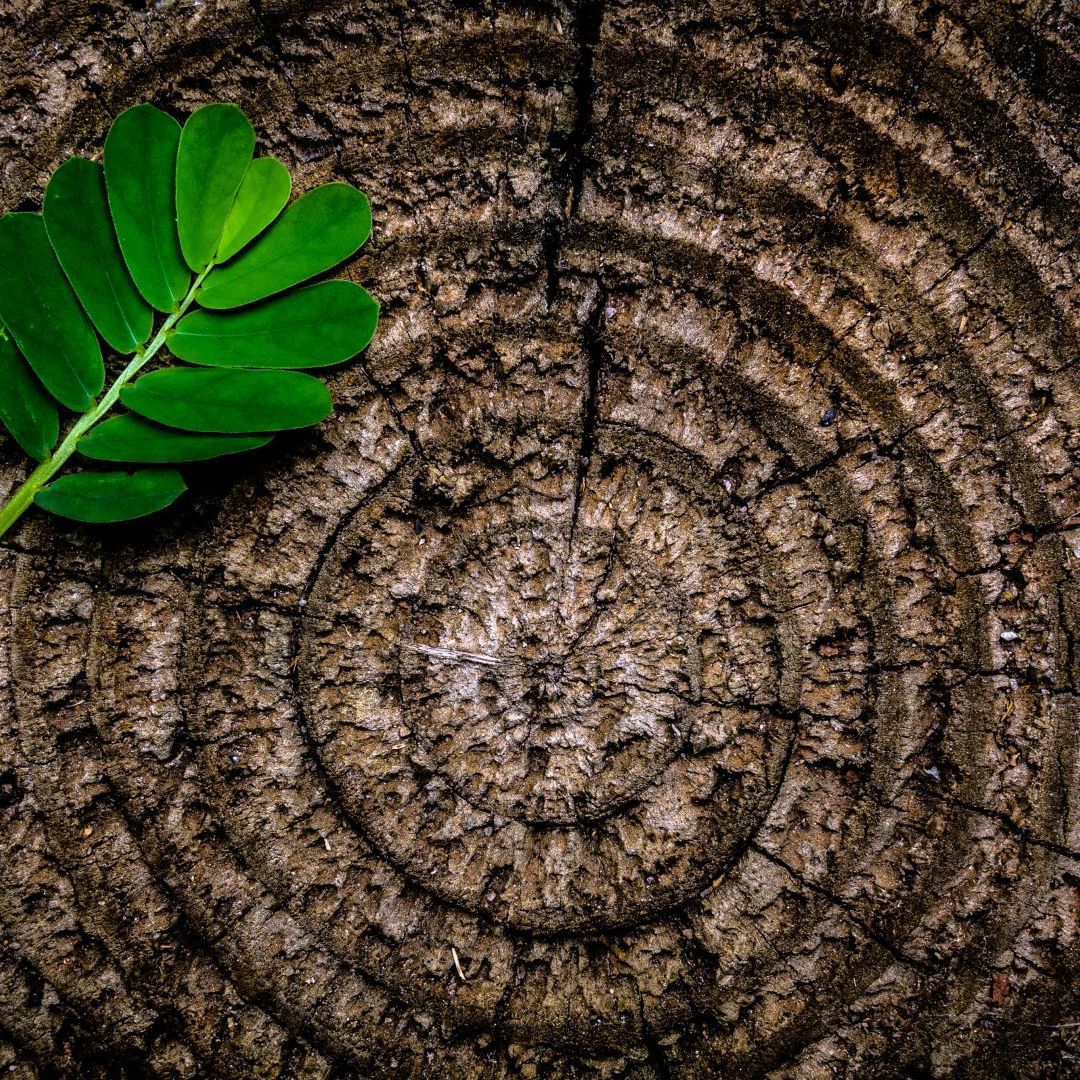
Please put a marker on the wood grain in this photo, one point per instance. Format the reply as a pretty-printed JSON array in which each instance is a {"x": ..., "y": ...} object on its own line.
[{"x": 663, "y": 663}]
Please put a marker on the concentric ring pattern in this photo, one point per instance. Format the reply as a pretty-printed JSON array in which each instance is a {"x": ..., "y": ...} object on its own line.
[{"x": 664, "y": 662}]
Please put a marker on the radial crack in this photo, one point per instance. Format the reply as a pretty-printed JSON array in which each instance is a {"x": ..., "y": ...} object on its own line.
[
  {"x": 571, "y": 160},
  {"x": 593, "y": 345}
]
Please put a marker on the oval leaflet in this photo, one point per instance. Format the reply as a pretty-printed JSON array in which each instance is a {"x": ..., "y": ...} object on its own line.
[
  {"x": 229, "y": 400},
  {"x": 100, "y": 498},
  {"x": 313, "y": 327}
]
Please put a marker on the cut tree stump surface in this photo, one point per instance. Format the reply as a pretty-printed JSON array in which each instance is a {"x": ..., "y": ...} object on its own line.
[{"x": 663, "y": 663}]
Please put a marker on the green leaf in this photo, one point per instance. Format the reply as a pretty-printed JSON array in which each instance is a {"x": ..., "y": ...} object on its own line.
[
  {"x": 215, "y": 152},
  {"x": 40, "y": 311},
  {"x": 229, "y": 400},
  {"x": 111, "y": 496},
  {"x": 263, "y": 193},
  {"x": 317, "y": 232},
  {"x": 25, "y": 409},
  {"x": 140, "y": 174},
  {"x": 130, "y": 438},
  {"x": 76, "y": 213},
  {"x": 313, "y": 327}
]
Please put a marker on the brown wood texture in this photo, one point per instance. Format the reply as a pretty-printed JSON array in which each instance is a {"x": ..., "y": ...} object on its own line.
[{"x": 663, "y": 663}]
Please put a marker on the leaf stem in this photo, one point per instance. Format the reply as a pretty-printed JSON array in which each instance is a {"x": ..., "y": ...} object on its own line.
[{"x": 23, "y": 497}]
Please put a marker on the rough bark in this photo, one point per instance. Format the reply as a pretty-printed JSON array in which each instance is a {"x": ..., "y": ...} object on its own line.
[{"x": 664, "y": 662}]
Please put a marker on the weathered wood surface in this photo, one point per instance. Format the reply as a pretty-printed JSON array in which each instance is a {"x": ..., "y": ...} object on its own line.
[{"x": 664, "y": 662}]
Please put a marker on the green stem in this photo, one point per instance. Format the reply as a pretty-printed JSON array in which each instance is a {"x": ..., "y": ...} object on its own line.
[{"x": 20, "y": 501}]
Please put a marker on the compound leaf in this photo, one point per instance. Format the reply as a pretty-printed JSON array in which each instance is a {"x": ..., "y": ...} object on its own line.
[
  {"x": 318, "y": 231},
  {"x": 76, "y": 214},
  {"x": 140, "y": 175},
  {"x": 25, "y": 409},
  {"x": 40, "y": 311},
  {"x": 262, "y": 195},
  {"x": 229, "y": 401},
  {"x": 118, "y": 241},
  {"x": 215, "y": 151},
  {"x": 111, "y": 496},
  {"x": 320, "y": 325},
  {"x": 131, "y": 438}
]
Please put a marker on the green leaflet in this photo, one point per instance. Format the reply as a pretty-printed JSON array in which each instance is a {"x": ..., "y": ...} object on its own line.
[
  {"x": 263, "y": 193},
  {"x": 215, "y": 151},
  {"x": 217, "y": 400},
  {"x": 131, "y": 438},
  {"x": 40, "y": 311},
  {"x": 79, "y": 227},
  {"x": 318, "y": 231},
  {"x": 313, "y": 327},
  {"x": 111, "y": 496},
  {"x": 25, "y": 409},
  {"x": 140, "y": 175}
]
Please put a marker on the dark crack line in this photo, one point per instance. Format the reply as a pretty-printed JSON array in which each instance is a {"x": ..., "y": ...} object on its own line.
[
  {"x": 844, "y": 906},
  {"x": 1002, "y": 819},
  {"x": 572, "y": 162},
  {"x": 595, "y": 353},
  {"x": 388, "y": 401},
  {"x": 587, "y": 21}
]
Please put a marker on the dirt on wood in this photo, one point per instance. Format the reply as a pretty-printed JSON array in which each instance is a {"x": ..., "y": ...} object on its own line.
[{"x": 663, "y": 663}]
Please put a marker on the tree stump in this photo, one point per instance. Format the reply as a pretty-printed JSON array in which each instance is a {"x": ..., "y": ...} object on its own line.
[{"x": 663, "y": 663}]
